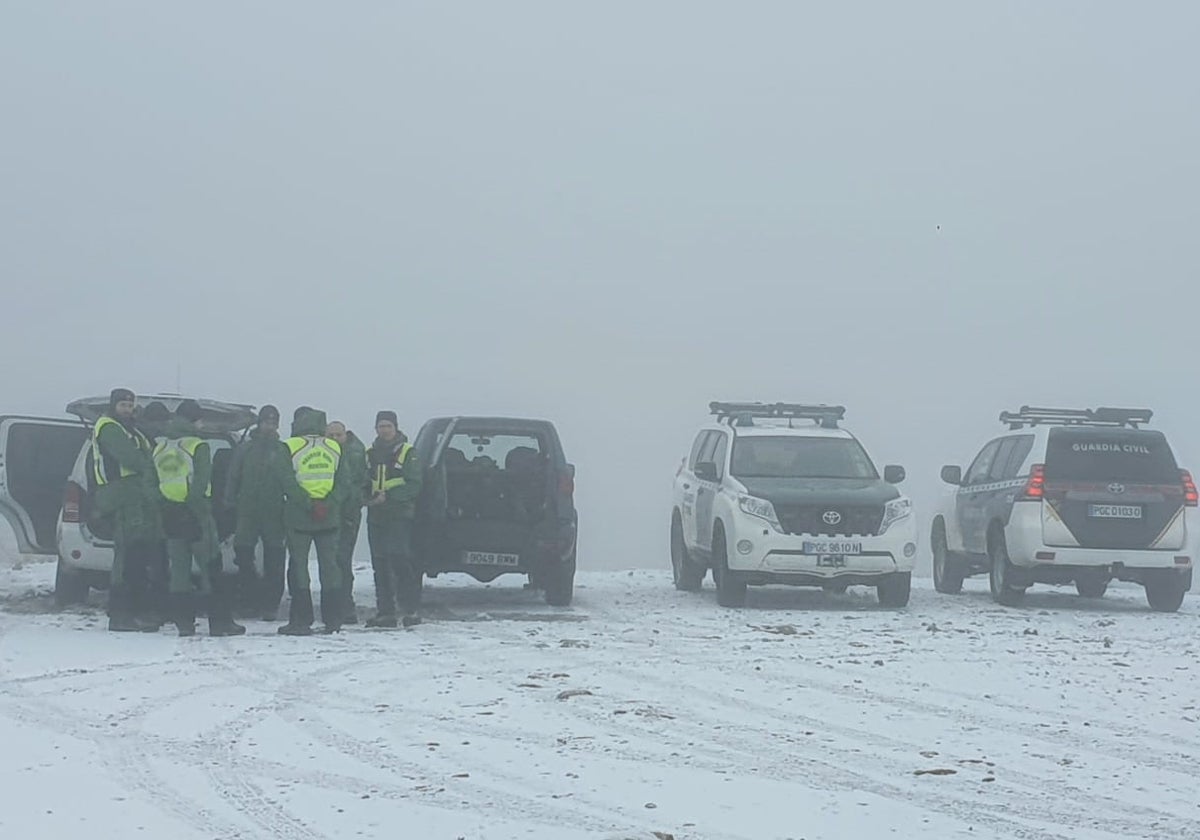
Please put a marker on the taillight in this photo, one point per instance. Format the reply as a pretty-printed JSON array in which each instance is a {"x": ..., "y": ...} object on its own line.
[
  {"x": 1035, "y": 488},
  {"x": 72, "y": 496},
  {"x": 566, "y": 484},
  {"x": 1191, "y": 497}
]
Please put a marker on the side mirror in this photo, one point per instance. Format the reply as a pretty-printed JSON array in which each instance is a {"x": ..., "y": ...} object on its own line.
[
  {"x": 706, "y": 471},
  {"x": 893, "y": 474},
  {"x": 952, "y": 475}
]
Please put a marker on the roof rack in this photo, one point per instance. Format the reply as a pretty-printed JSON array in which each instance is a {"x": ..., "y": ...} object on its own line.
[
  {"x": 1111, "y": 417},
  {"x": 743, "y": 413}
]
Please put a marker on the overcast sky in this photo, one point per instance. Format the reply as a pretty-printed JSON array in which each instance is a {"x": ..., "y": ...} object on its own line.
[{"x": 608, "y": 215}]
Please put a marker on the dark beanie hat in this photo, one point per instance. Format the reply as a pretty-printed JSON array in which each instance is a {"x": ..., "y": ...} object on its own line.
[
  {"x": 389, "y": 416},
  {"x": 156, "y": 412},
  {"x": 120, "y": 395},
  {"x": 304, "y": 409},
  {"x": 268, "y": 414},
  {"x": 189, "y": 410}
]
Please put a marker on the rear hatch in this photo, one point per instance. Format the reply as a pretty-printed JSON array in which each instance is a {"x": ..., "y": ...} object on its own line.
[{"x": 1112, "y": 489}]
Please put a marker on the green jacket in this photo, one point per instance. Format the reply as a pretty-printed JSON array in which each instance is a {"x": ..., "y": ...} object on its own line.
[
  {"x": 298, "y": 515},
  {"x": 176, "y": 429},
  {"x": 404, "y": 478},
  {"x": 354, "y": 453},
  {"x": 120, "y": 452},
  {"x": 258, "y": 476}
]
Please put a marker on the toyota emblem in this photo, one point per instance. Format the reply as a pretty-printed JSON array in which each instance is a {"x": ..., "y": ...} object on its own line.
[
  {"x": 831, "y": 517},
  {"x": 1116, "y": 489}
]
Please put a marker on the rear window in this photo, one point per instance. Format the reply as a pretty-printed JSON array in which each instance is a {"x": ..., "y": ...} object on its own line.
[
  {"x": 485, "y": 449},
  {"x": 1132, "y": 456},
  {"x": 799, "y": 457}
]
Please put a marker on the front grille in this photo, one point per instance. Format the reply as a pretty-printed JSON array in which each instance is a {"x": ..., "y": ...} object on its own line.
[{"x": 856, "y": 520}]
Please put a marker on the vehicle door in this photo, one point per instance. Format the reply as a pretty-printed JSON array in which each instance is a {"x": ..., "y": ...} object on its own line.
[
  {"x": 706, "y": 490},
  {"x": 685, "y": 489},
  {"x": 972, "y": 497},
  {"x": 36, "y": 456}
]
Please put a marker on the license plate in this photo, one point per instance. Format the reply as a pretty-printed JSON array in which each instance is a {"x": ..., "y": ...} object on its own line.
[
  {"x": 826, "y": 548},
  {"x": 490, "y": 558},
  {"x": 1115, "y": 511}
]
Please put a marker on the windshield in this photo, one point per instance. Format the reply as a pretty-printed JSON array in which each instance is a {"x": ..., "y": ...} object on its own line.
[
  {"x": 800, "y": 457},
  {"x": 1133, "y": 456}
]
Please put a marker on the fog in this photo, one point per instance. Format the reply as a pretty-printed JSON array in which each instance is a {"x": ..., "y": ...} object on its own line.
[{"x": 608, "y": 216}]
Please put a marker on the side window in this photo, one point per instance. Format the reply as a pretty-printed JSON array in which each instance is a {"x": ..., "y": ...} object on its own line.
[
  {"x": 701, "y": 439},
  {"x": 1000, "y": 462},
  {"x": 1020, "y": 451},
  {"x": 720, "y": 452},
  {"x": 710, "y": 443},
  {"x": 978, "y": 472}
]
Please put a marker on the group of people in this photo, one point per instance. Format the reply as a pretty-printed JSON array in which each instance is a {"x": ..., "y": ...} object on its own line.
[{"x": 153, "y": 479}]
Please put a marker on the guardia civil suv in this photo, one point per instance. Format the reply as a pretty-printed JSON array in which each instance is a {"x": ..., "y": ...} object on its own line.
[
  {"x": 780, "y": 494},
  {"x": 1082, "y": 496}
]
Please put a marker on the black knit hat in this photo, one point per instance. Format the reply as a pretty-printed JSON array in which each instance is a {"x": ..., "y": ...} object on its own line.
[
  {"x": 389, "y": 416},
  {"x": 120, "y": 395},
  {"x": 268, "y": 414}
]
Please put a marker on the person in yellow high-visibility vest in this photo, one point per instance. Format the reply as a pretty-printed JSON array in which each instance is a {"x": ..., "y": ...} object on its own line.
[
  {"x": 122, "y": 473},
  {"x": 183, "y": 462},
  {"x": 395, "y": 474},
  {"x": 314, "y": 518}
]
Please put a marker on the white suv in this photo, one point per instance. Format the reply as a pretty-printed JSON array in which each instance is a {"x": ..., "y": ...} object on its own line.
[
  {"x": 778, "y": 493},
  {"x": 46, "y": 487},
  {"x": 1079, "y": 496}
]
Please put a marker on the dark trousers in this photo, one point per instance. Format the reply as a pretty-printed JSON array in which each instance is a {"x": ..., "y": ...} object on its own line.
[{"x": 398, "y": 577}]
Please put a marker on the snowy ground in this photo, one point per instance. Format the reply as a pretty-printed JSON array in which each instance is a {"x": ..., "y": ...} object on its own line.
[{"x": 637, "y": 711}]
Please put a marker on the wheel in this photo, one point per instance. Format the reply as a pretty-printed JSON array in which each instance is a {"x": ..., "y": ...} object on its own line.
[
  {"x": 70, "y": 586},
  {"x": 1000, "y": 578},
  {"x": 1091, "y": 587},
  {"x": 893, "y": 590},
  {"x": 731, "y": 589},
  {"x": 1165, "y": 589},
  {"x": 947, "y": 573},
  {"x": 687, "y": 577},
  {"x": 559, "y": 583}
]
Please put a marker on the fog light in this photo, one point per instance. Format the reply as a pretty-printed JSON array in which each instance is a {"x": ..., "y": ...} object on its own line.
[
  {"x": 75, "y": 554},
  {"x": 745, "y": 546},
  {"x": 910, "y": 549}
]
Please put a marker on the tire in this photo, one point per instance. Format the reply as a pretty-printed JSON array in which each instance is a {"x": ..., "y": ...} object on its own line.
[
  {"x": 893, "y": 590},
  {"x": 947, "y": 573},
  {"x": 731, "y": 589},
  {"x": 1000, "y": 577},
  {"x": 70, "y": 586},
  {"x": 1091, "y": 587},
  {"x": 1165, "y": 589},
  {"x": 559, "y": 584},
  {"x": 688, "y": 578}
]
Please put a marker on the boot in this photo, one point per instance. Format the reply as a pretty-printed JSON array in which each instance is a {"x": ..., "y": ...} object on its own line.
[
  {"x": 382, "y": 621},
  {"x": 183, "y": 613},
  {"x": 331, "y": 609},
  {"x": 220, "y": 612},
  {"x": 349, "y": 611},
  {"x": 121, "y": 618},
  {"x": 410, "y": 620},
  {"x": 300, "y": 615}
]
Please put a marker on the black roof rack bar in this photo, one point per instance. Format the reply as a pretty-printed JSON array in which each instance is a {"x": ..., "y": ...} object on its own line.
[
  {"x": 1112, "y": 417},
  {"x": 826, "y": 415}
]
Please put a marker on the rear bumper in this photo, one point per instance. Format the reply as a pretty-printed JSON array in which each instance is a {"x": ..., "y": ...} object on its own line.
[
  {"x": 446, "y": 548},
  {"x": 1027, "y": 548},
  {"x": 79, "y": 550}
]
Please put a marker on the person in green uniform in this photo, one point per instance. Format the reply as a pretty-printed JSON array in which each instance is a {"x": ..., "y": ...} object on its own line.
[
  {"x": 183, "y": 462},
  {"x": 354, "y": 454},
  {"x": 313, "y": 517},
  {"x": 255, "y": 492},
  {"x": 395, "y": 482},
  {"x": 126, "y": 490}
]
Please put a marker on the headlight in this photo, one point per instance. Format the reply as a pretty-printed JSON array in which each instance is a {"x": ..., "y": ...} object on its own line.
[
  {"x": 760, "y": 508},
  {"x": 894, "y": 511}
]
